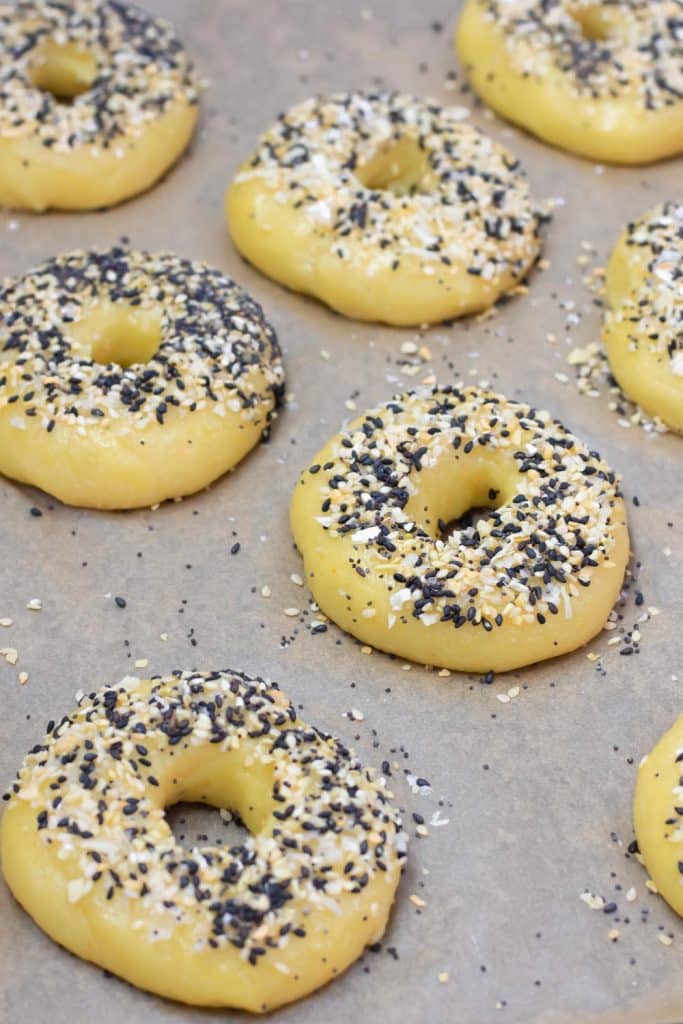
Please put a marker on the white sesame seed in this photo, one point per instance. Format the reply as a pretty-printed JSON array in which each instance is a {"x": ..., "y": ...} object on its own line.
[{"x": 592, "y": 901}]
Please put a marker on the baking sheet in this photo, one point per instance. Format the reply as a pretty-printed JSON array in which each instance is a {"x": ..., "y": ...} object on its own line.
[{"x": 533, "y": 793}]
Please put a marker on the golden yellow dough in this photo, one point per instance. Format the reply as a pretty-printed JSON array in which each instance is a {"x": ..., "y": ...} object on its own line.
[
  {"x": 97, "y": 101},
  {"x": 252, "y": 926},
  {"x": 603, "y": 80},
  {"x": 658, "y": 815},
  {"x": 373, "y": 516},
  {"x": 386, "y": 208},
  {"x": 127, "y": 378},
  {"x": 643, "y": 328}
]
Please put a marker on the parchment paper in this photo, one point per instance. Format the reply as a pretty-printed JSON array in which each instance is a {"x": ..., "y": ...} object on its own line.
[{"x": 536, "y": 790}]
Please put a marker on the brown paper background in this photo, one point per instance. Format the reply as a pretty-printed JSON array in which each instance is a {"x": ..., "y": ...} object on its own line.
[{"x": 526, "y": 836}]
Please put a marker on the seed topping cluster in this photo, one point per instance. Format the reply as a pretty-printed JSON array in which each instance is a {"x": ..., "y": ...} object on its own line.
[
  {"x": 141, "y": 70},
  {"x": 454, "y": 199},
  {"x": 94, "y": 784},
  {"x": 606, "y": 50},
  {"x": 217, "y": 350},
  {"x": 524, "y": 563},
  {"x": 660, "y": 299}
]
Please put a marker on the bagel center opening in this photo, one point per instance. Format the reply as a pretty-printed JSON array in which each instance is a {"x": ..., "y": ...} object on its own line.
[
  {"x": 117, "y": 333},
  {"x": 593, "y": 21},
  {"x": 472, "y": 517},
  {"x": 456, "y": 491},
  {"x": 63, "y": 70},
  {"x": 222, "y": 794},
  {"x": 198, "y": 824},
  {"x": 399, "y": 166}
]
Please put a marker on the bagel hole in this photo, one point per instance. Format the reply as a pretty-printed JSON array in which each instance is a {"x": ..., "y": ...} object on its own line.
[
  {"x": 63, "y": 70},
  {"x": 472, "y": 516},
  {"x": 223, "y": 795},
  {"x": 398, "y": 166},
  {"x": 197, "y": 824},
  {"x": 592, "y": 20},
  {"x": 456, "y": 494},
  {"x": 117, "y": 333}
]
